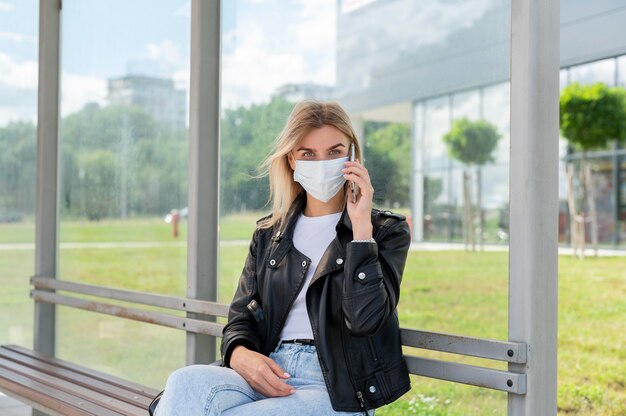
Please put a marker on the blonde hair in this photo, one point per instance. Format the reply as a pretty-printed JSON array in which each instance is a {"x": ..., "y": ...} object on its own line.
[{"x": 307, "y": 115}]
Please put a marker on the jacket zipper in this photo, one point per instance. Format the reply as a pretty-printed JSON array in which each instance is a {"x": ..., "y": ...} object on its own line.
[
  {"x": 372, "y": 349},
  {"x": 359, "y": 394}
]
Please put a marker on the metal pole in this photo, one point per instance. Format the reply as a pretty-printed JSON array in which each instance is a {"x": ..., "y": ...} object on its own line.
[
  {"x": 534, "y": 200},
  {"x": 204, "y": 157},
  {"x": 46, "y": 215},
  {"x": 417, "y": 171},
  {"x": 46, "y": 218},
  {"x": 451, "y": 209},
  {"x": 617, "y": 186}
]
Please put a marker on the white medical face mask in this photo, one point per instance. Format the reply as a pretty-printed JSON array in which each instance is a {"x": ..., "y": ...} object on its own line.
[{"x": 321, "y": 178}]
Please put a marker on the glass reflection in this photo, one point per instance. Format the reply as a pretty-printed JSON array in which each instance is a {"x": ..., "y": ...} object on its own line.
[
  {"x": 123, "y": 186},
  {"x": 18, "y": 142},
  {"x": 599, "y": 71}
]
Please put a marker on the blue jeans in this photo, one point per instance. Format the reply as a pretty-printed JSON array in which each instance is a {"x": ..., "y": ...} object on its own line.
[{"x": 207, "y": 390}]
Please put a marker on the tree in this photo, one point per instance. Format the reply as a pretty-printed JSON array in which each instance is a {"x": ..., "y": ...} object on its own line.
[
  {"x": 590, "y": 117},
  {"x": 247, "y": 136},
  {"x": 472, "y": 143},
  {"x": 17, "y": 168},
  {"x": 386, "y": 155},
  {"x": 100, "y": 167},
  {"x": 150, "y": 162}
]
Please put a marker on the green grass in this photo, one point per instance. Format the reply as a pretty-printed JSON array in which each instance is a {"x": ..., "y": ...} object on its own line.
[
  {"x": 135, "y": 230},
  {"x": 452, "y": 291}
]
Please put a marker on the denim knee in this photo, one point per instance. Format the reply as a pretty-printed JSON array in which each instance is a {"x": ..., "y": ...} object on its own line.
[{"x": 183, "y": 376}]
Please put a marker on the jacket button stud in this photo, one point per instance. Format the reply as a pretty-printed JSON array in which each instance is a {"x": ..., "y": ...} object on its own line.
[
  {"x": 361, "y": 275},
  {"x": 304, "y": 263},
  {"x": 372, "y": 389},
  {"x": 339, "y": 260},
  {"x": 272, "y": 262}
]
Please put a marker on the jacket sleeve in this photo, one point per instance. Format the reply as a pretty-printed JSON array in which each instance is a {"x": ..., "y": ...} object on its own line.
[
  {"x": 241, "y": 327},
  {"x": 373, "y": 272}
]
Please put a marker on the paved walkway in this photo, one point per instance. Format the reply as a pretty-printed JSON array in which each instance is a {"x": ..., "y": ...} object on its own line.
[{"x": 563, "y": 250}]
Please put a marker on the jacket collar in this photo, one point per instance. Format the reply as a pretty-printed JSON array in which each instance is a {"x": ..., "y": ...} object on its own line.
[{"x": 332, "y": 259}]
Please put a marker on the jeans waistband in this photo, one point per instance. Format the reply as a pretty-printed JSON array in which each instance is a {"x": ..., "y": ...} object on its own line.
[{"x": 292, "y": 346}]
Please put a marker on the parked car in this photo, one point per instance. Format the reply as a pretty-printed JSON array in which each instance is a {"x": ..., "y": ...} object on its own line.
[{"x": 11, "y": 216}]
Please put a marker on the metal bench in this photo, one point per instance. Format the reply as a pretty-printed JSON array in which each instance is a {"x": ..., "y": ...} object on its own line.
[{"x": 59, "y": 387}]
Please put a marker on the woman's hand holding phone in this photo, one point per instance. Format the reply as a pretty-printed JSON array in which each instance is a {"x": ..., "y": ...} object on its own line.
[{"x": 360, "y": 211}]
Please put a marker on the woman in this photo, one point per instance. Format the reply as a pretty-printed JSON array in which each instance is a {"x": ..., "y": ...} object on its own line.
[{"x": 312, "y": 328}]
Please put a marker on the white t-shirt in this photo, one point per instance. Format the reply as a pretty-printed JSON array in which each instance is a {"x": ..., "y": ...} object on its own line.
[{"x": 311, "y": 236}]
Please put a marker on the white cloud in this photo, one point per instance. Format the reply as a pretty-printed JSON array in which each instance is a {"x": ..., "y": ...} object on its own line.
[
  {"x": 6, "y": 7},
  {"x": 317, "y": 28},
  {"x": 78, "y": 90},
  {"x": 18, "y": 89},
  {"x": 17, "y": 75},
  {"x": 252, "y": 72},
  {"x": 258, "y": 56}
]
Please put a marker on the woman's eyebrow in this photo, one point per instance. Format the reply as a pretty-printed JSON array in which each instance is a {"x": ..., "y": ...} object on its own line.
[{"x": 330, "y": 148}]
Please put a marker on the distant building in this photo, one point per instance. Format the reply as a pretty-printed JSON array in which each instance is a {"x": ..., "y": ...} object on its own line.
[
  {"x": 157, "y": 96},
  {"x": 297, "y": 92}
]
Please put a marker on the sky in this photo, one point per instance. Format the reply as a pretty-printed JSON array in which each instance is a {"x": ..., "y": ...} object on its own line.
[{"x": 265, "y": 44}]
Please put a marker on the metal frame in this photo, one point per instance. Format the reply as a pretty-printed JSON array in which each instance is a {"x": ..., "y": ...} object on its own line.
[
  {"x": 204, "y": 162},
  {"x": 511, "y": 352},
  {"x": 533, "y": 255},
  {"x": 531, "y": 350},
  {"x": 46, "y": 216}
]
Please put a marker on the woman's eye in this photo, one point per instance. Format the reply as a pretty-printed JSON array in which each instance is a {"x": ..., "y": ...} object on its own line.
[
  {"x": 306, "y": 153},
  {"x": 334, "y": 150}
]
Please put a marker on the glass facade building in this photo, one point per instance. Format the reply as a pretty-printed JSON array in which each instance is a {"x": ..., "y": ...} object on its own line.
[{"x": 428, "y": 72}]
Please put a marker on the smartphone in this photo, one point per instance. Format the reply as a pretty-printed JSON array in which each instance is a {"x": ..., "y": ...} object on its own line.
[{"x": 353, "y": 186}]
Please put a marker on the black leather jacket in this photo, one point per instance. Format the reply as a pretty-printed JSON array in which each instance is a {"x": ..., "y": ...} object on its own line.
[{"x": 351, "y": 303}]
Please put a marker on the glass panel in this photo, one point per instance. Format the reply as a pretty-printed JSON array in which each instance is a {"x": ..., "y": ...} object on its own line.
[
  {"x": 401, "y": 84},
  {"x": 621, "y": 70},
  {"x": 436, "y": 124},
  {"x": 124, "y": 174},
  {"x": 19, "y": 34},
  {"x": 599, "y": 71},
  {"x": 466, "y": 104},
  {"x": 562, "y": 78},
  {"x": 290, "y": 64}
]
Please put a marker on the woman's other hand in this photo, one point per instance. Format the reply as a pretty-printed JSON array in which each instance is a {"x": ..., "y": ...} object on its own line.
[
  {"x": 360, "y": 211},
  {"x": 261, "y": 372}
]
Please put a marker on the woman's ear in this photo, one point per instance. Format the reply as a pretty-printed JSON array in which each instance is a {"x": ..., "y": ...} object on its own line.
[{"x": 291, "y": 160}]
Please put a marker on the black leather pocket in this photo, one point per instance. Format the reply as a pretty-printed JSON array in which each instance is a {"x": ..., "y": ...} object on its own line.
[{"x": 383, "y": 384}]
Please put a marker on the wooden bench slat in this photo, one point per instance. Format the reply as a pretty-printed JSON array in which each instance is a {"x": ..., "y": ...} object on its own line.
[
  {"x": 119, "y": 382},
  {"x": 80, "y": 392},
  {"x": 76, "y": 378},
  {"x": 49, "y": 397}
]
